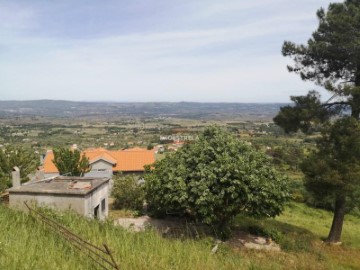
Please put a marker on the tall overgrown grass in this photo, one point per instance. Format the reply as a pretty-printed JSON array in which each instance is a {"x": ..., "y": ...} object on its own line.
[{"x": 26, "y": 243}]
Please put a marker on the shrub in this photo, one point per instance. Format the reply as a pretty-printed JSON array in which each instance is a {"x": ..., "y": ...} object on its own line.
[
  {"x": 215, "y": 178},
  {"x": 128, "y": 193},
  {"x": 274, "y": 234}
]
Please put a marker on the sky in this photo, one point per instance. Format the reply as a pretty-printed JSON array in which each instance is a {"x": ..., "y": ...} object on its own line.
[{"x": 160, "y": 50}]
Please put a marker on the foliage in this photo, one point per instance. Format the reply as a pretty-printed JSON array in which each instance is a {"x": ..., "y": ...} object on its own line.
[
  {"x": 290, "y": 156},
  {"x": 265, "y": 232},
  {"x": 332, "y": 54},
  {"x": 214, "y": 179},
  {"x": 3, "y": 182},
  {"x": 11, "y": 156},
  {"x": 305, "y": 112},
  {"x": 128, "y": 193},
  {"x": 327, "y": 177},
  {"x": 331, "y": 58},
  {"x": 71, "y": 162},
  {"x": 150, "y": 146}
]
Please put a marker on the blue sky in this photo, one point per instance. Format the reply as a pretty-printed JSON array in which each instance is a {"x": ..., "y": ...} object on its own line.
[{"x": 166, "y": 50}]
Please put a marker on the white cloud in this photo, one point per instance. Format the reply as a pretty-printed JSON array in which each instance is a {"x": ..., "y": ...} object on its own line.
[{"x": 194, "y": 63}]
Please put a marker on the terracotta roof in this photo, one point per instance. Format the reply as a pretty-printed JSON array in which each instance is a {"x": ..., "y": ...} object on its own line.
[
  {"x": 135, "y": 149},
  {"x": 126, "y": 161},
  {"x": 133, "y": 160},
  {"x": 104, "y": 156},
  {"x": 49, "y": 166}
]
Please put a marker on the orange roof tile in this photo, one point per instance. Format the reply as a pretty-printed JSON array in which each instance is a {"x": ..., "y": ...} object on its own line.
[
  {"x": 133, "y": 160},
  {"x": 49, "y": 166},
  {"x": 126, "y": 160},
  {"x": 135, "y": 149},
  {"x": 104, "y": 156}
]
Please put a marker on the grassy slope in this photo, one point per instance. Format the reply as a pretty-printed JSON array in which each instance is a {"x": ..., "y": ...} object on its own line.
[
  {"x": 300, "y": 231},
  {"x": 318, "y": 222},
  {"x": 27, "y": 244}
]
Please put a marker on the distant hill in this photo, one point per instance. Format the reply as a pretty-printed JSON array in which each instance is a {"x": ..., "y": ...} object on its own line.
[{"x": 194, "y": 110}]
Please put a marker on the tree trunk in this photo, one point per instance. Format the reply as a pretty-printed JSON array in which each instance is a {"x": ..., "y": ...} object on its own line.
[
  {"x": 338, "y": 220},
  {"x": 223, "y": 229},
  {"x": 355, "y": 106}
]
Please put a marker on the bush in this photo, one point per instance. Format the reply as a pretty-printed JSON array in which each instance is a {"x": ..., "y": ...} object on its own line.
[
  {"x": 128, "y": 193},
  {"x": 213, "y": 179},
  {"x": 274, "y": 234},
  {"x": 3, "y": 184}
]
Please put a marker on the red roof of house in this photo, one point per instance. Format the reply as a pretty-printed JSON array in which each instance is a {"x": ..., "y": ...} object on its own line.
[{"x": 122, "y": 160}]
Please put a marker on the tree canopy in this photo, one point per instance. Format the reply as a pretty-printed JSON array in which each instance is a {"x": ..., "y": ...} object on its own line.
[
  {"x": 331, "y": 58},
  {"x": 71, "y": 162},
  {"x": 128, "y": 192},
  {"x": 334, "y": 169},
  {"x": 215, "y": 178},
  {"x": 12, "y": 156}
]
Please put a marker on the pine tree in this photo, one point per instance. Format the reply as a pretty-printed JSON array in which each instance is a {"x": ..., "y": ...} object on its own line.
[{"x": 331, "y": 58}]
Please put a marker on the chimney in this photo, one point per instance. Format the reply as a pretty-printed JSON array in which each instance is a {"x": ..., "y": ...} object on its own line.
[
  {"x": 16, "y": 177},
  {"x": 42, "y": 157}
]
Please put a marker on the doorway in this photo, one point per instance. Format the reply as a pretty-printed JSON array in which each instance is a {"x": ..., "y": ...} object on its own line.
[{"x": 96, "y": 212}]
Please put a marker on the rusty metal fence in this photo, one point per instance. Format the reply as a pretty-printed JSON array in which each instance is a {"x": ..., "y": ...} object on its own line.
[{"x": 100, "y": 255}]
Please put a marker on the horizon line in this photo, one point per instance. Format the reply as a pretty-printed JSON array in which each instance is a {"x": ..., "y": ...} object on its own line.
[{"x": 112, "y": 101}]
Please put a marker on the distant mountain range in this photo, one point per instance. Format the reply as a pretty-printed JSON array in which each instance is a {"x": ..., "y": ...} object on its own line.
[{"x": 194, "y": 110}]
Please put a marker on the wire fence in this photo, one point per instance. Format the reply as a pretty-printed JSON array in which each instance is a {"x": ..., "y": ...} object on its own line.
[{"x": 100, "y": 255}]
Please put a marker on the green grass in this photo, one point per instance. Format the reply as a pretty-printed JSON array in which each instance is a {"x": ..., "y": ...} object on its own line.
[
  {"x": 301, "y": 230},
  {"x": 26, "y": 243},
  {"x": 319, "y": 222}
]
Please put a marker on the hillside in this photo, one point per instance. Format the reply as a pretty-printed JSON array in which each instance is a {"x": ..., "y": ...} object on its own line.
[
  {"x": 193, "y": 110},
  {"x": 25, "y": 243}
]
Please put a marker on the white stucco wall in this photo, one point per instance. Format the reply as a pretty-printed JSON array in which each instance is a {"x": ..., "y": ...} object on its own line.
[
  {"x": 94, "y": 199},
  {"x": 101, "y": 165},
  {"x": 56, "y": 201}
]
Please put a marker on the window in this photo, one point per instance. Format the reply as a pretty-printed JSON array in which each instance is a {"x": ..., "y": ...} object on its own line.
[{"x": 103, "y": 205}]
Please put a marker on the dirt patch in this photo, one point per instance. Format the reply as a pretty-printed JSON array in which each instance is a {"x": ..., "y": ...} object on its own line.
[
  {"x": 171, "y": 227},
  {"x": 175, "y": 227},
  {"x": 244, "y": 240}
]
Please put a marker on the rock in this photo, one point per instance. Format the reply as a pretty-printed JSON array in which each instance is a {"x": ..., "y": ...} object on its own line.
[
  {"x": 260, "y": 240},
  {"x": 334, "y": 243},
  {"x": 214, "y": 249},
  {"x": 245, "y": 240}
]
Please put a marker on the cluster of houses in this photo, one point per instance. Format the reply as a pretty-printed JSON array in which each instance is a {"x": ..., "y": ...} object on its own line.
[
  {"x": 105, "y": 163},
  {"x": 172, "y": 147},
  {"x": 87, "y": 195}
]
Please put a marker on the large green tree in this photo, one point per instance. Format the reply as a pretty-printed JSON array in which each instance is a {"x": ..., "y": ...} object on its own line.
[
  {"x": 12, "y": 156},
  {"x": 215, "y": 178},
  {"x": 333, "y": 171},
  {"x": 71, "y": 162},
  {"x": 331, "y": 58}
]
